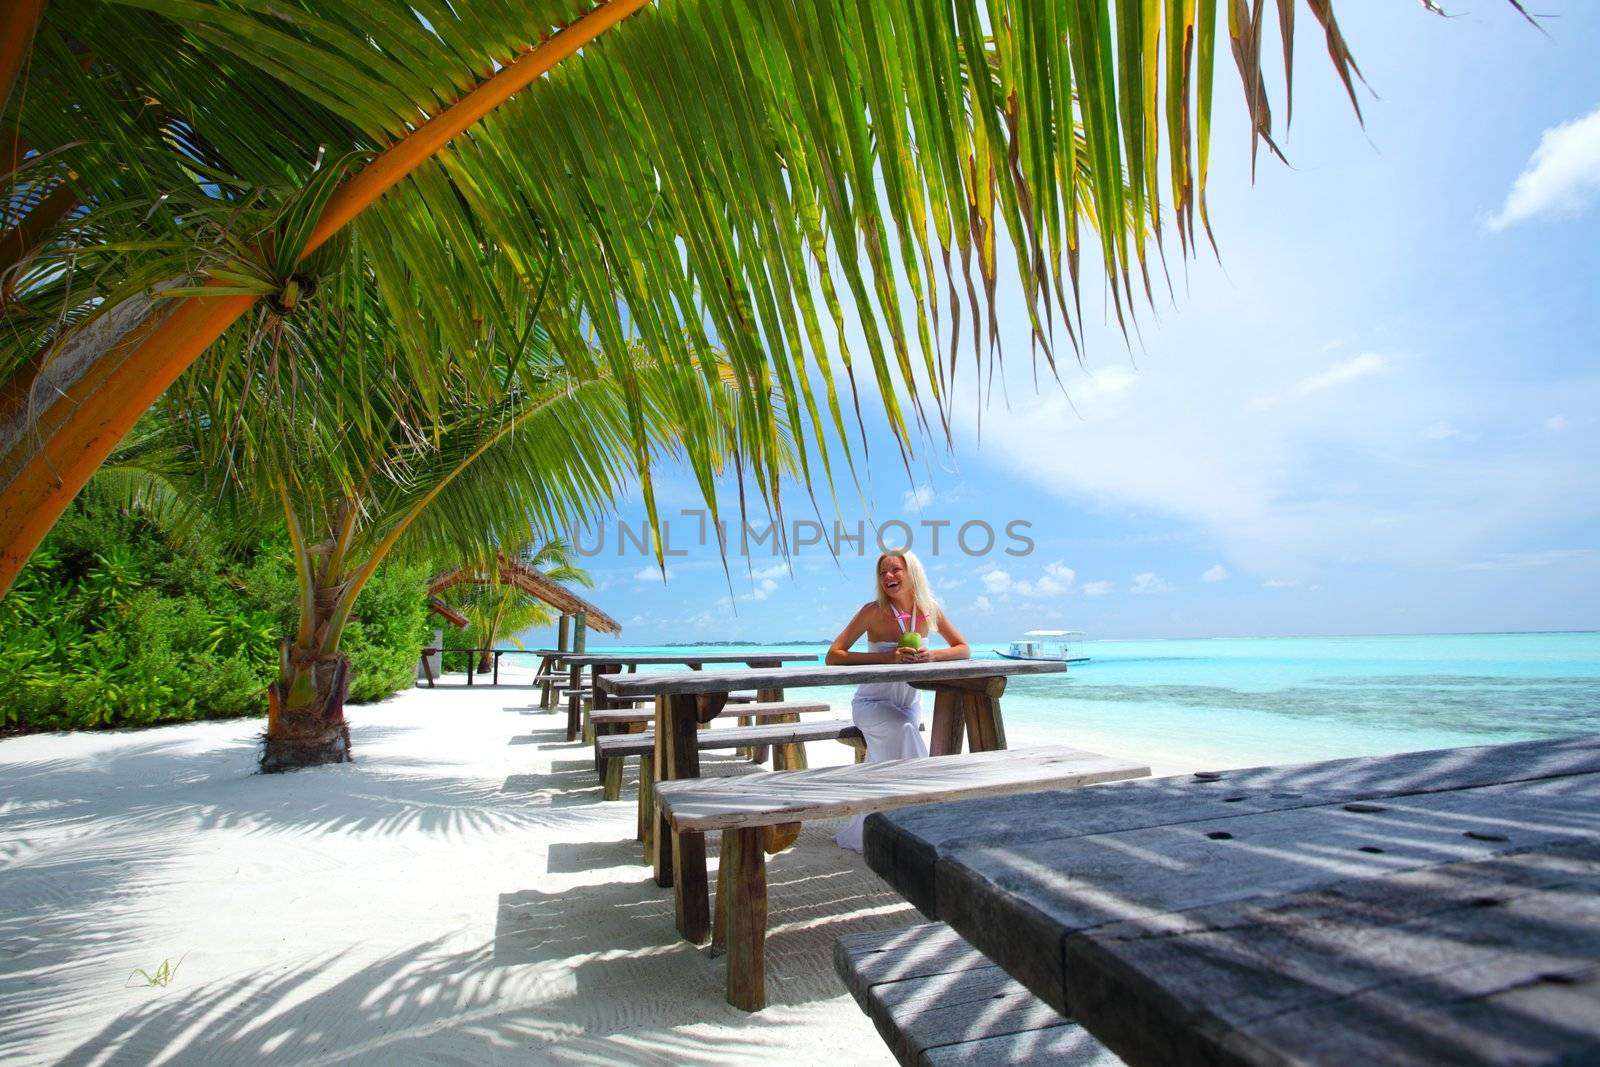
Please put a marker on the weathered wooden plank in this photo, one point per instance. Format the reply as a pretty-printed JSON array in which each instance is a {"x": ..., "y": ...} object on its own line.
[
  {"x": 1492, "y": 961},
  {"x": 1066, "y": 1045},
  {"x": 793, "y": 677},
  {"x": 904, "y": 848},
  {"x": 769, "y": 733},
  {"x": 938, "y": 1002},
  {"x": 830, "y": 792},
  {"x": 1016, "y": 904},
  {"x": 927, "y": 949}
]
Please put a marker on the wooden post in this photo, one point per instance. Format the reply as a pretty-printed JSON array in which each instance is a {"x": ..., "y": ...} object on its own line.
[
  {"x": 580, "y": 631},
  {"x": 545, "y": 698},
  {"x": 945, "y": 737},
  {"x": 680, "y": 858},
  {"x": 745, "y": 923},
  {"x": 647, "y": 803}
]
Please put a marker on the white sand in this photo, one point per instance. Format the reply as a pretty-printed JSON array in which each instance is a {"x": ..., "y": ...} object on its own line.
[{"x": 459, "y": 895}]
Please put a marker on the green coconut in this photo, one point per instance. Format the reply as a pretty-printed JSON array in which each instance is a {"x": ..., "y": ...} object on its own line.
[{"x": 911, "y": 640}]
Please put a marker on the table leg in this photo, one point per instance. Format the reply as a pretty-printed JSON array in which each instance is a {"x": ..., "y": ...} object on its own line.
[
  {"x": 790, "y": 752},
  {"x": 472, "y": 661},
  {"x": 427, "y": 668},
  {"x": 944, "y": 739},
  {"x": 574, "y": 682},
  {"x": 680, "y": 858},
  {"x": 497, "y": 668},
  {"x": 985, "y": 730}
]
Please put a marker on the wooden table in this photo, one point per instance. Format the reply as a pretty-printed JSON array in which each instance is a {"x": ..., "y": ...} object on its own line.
[
  {"x": 1431, "y": 907},
  {"x": 603, "y": 663},
  {"x": 966, "y": 697}
]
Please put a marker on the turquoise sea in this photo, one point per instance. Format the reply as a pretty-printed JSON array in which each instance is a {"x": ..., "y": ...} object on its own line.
[{"x": 1242, "y": 702}]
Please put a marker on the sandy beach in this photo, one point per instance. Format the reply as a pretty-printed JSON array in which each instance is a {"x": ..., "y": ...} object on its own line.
[{"x": 459, "y": 895}]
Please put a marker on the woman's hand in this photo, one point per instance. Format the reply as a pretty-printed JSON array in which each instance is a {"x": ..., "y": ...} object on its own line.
[{"x": 910, "y": 655}]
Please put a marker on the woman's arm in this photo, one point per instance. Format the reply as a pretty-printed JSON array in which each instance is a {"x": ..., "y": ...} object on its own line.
[
  {"x": 958, "y": 645},
  {"x": 839, "y": 652}
]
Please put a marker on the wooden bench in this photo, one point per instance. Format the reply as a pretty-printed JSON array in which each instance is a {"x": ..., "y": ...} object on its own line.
[
  {"x": 768, "y": 710},
  {"x": 938, "y": 1002},
  {"x": 626, "y": 720},
  {"x": 761, "y": 813},
  {"x": 784, "y": 737}
]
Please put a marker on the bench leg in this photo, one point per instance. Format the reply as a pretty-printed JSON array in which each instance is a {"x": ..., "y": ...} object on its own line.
[
  {"x": 611, "y": 781},
  {"x": 690, "y": 899},
  {"x": 745, "y": 861}
]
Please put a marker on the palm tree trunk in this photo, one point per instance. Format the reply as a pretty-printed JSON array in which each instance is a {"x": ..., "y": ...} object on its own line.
[{"x": 305, "y": 710}]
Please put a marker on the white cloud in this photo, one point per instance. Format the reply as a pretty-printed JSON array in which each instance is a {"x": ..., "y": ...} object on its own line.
[
  {"x": 777, "y": 570},
  {"x": 1342, "y": 373},
  {"x": 918, "y": 498},
  {"x": 1215, "y": 573},
  {"x": 1556, "y": 423},
  {"x": 1056, "y": 580},
  {"x": 1340, "y": 478},
  {"x": 1096, "y": 588},
  {"x": 1149, "y": 582},
  {"x": 1560, "y": 178},
  {"x": 996, "y": 581},
  {"x": 1061, "y": 572},
  {"x": 652, "y": 574},
  {"x": 982, "y": 606},
  {"x": 764, "y": 588}
]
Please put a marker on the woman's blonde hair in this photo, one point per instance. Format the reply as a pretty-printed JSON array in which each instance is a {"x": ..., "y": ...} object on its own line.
[{"x": 921, "y": 593}]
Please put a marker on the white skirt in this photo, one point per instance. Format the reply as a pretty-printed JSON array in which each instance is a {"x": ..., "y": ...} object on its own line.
[{"x": 889, "y": 716}]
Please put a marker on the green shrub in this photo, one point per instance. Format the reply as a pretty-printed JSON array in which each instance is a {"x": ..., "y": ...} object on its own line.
[{"x": 112, "y": 624}]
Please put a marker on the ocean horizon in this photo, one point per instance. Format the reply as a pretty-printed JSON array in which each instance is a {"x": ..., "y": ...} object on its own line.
[{"x": 1241, "y": 701}]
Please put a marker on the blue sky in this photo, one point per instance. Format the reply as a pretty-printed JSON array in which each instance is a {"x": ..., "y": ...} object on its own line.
[{"x": 1376, "y": 414}]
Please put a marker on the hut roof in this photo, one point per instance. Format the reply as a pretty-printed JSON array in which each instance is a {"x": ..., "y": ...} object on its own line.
[{"x": 530, "y": 581}]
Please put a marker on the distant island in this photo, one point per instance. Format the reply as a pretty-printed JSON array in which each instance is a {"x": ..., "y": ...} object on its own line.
[{"x": 742, "y": 644}]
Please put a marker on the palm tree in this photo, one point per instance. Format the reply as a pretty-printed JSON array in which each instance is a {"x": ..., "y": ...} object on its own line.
[
  {"x": 314, "y": 422},
  {"x": 761, "y": 173}
]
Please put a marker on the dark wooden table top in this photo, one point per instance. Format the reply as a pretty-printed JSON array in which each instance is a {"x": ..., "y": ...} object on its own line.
[
  {"x": 685, "y": 682},
  {"x": 1430, "y": 907},
  {"x": 585, "y": 659}
]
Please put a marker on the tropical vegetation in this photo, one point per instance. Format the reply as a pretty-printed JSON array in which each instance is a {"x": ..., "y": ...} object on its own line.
[{"x": 121, "y": 620}]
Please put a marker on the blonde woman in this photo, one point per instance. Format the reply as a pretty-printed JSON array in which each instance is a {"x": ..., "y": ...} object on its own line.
[{"x": 890, "y": 713}]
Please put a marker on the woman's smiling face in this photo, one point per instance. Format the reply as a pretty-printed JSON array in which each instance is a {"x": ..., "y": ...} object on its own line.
[{"x": 892, "y": 575}]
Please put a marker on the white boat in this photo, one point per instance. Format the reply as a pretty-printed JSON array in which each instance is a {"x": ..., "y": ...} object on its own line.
[{"x": 1057, "y": 646}]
